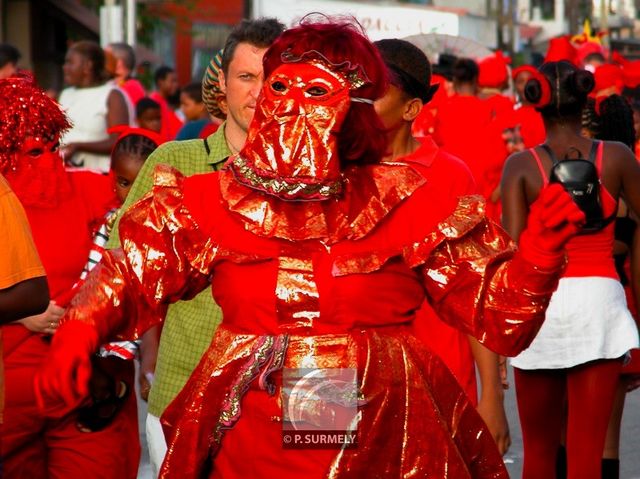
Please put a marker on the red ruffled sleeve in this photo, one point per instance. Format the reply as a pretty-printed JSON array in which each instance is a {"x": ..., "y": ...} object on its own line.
[
  {"x": 164, "y": 258},
  {"x": 477, "y": 282}
]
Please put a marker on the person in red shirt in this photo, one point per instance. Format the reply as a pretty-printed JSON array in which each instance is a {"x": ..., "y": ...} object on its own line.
[
  {"x": 167, "y": 87},
  {"x": 462, "y": 119},
  {"x": 125, "y": 63},
  {"x": 62, "y": 207},
  {"x": 493, "y": 79},
  {"x": 407, "y": 95}
]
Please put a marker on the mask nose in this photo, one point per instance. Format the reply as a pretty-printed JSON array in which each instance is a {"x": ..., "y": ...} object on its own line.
[
  {"x": 50, "y": 159},
  {"x": 292, "y": 105}
]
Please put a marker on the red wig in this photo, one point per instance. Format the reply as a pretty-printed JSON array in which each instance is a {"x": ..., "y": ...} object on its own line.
[
  {"x": 362, "y": 137},
  {"x": 26, "y": 110}
]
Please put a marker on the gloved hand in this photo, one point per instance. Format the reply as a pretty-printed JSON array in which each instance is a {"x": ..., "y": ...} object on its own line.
[
  {"x": 554, "y": 219},
  {"x": 65, "y": 376}
]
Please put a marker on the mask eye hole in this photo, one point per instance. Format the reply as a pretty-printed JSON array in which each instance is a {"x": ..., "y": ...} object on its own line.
[
  {"x": 278, "y": 86},
  {"x": 316, "y": 91}
]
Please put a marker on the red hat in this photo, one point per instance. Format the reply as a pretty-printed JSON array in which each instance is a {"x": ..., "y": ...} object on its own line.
[
  {"x": 631, "y": 74},
  {"x": 607, "y": 76},
  {"x": 588, "y": 48},
  {"x": 493, "y": 70},
  {"x": 523, "y": 68},
  {"x": 561, "y": 48},
  {"x": 630, "y": 70}
]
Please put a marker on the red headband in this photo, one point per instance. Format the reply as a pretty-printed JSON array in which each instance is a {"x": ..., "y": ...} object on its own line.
[
  {"x": 545, "y": 89},
  {"x": 126, "y": 130}
]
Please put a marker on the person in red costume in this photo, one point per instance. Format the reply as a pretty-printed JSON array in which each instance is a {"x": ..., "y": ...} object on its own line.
[
  {"x": 62, "y": 208},
  {"x": 577, "y": 356},
  {"x": 407, "y": 95},
  {"x": 167, "y": 86},
  {"x": 510, "y": 132},
  {"x": 462, "y": 122},
  {"x": 493, "y": 79},
  {"x": 319, "y": 254}
]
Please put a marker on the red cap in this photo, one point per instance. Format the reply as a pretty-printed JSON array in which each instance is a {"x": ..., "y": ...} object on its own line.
[
  {"x": 493, "y": 70},
  {"x": 631, "y": 74},
  {"x": 630, "y": 70},
  {"x": 560, "y": 48},
  {"x": 588, "y": 48},
  {"x": 607, "y": 76}
]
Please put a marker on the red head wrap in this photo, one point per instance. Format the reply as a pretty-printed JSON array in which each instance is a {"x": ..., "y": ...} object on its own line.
[{"x": 493, "y": 71}]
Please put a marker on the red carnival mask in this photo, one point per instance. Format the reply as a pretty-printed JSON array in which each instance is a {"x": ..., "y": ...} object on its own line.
[
  {"x": 39, "y": 177},
  {"x": 291, "y": 149}
]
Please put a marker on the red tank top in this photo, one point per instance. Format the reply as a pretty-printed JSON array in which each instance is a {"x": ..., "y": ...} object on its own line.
[{"x": 590, "y": 254}]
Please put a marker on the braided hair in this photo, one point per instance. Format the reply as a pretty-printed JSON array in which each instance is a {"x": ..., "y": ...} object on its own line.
[
  {"x": 134, "y": 145},
  {"x": 610, "y": 119}
]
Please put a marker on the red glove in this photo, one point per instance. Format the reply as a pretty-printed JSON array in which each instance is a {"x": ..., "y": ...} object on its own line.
[
  {"x": 553, "y": 220},
  {"x": 65, "y": 376}
]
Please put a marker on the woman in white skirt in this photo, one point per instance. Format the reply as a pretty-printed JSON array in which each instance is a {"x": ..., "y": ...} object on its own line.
[{"x": 588, "y": 330}]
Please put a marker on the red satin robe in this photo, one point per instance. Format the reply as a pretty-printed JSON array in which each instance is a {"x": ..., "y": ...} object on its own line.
[{"x": 327, "y": 284}]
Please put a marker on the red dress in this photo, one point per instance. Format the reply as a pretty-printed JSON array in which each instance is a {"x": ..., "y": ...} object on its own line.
[
  {"x": 33, "y": 445},
  {"x": 321, "y": 284}
]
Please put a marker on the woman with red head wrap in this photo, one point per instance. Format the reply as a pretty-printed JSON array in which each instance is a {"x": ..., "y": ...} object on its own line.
[
  {"x": 62, "y": 208},
  {"x": 319, "y": 254}
]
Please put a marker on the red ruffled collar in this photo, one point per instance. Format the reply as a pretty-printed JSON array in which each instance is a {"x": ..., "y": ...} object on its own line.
[{"x": 369, "y": 194}]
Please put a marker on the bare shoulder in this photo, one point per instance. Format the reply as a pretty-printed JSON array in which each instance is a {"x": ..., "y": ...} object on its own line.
[
  {"x": 618, "y": 152},
  {"x": 519, "y": 164}
]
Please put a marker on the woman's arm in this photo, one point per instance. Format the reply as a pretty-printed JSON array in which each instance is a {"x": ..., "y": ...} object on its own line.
[
  {"x": 514, "y": 201},
  {"x": 27, "y": 298},
  {"x": 628, "y": 169},
  {"x": 117, "y": 114}
]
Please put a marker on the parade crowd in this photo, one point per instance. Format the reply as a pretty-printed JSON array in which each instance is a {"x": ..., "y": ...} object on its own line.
[{"x": 318, "y": 201}]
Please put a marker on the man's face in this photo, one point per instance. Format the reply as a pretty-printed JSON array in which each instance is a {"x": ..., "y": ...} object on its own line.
[{"x": 242, "y": 83}]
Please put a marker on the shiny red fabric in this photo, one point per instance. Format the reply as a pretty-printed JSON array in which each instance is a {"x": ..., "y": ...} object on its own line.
[
  {"x": 352, "y": 296},
  {"x": 450, "y": 344}
]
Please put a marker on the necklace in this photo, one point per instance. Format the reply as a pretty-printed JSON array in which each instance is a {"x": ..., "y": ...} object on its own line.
[{"x": 234, "y": 150}]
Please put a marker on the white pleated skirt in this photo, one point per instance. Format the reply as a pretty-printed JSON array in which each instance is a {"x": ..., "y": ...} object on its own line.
[{"x": 587, "y": 319}]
